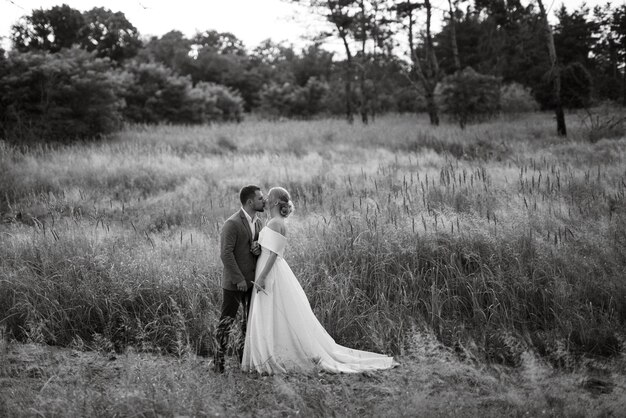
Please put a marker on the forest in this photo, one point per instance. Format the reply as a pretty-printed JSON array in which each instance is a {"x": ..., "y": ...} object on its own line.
[{"x": 74, "y": 74}]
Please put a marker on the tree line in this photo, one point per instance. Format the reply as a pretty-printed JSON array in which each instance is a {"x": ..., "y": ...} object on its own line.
[{"x": 77, "y": 74}]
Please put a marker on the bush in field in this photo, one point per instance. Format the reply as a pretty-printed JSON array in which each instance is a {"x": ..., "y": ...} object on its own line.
[
  {"x": 215, "y": 102},
  {"x": 605, "y": 121},
  {"x": 155, "y": 94},
  {"x": 406, "y": 100},
  {"x": 515, "y": 98},
  {"x": 308, "y": 99},
  {"x": 468, "y": 96},
  {"x": 57, "y": 97},
  {"x": 275, "y": 99},
  {"x": 293, "y": 100}
]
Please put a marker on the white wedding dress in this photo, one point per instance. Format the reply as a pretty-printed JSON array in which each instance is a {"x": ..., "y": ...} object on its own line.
[{"x": 283, "y": 333}]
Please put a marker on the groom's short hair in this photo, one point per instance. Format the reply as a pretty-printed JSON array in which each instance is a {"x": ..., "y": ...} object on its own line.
[{"x": 247, "y": 192}]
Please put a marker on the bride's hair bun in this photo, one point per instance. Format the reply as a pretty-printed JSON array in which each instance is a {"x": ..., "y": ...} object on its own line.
[
  {"x": 283, "y": 200},
  {"x": 286, "y": 208}
]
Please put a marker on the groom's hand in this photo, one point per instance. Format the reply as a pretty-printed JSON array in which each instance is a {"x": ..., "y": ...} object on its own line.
[
  {"x": 242, "y": 286},
  {"x": 255, "y": 248}
]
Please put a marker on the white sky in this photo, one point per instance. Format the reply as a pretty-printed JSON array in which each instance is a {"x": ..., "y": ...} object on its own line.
[{"x": 252, "y": 21}]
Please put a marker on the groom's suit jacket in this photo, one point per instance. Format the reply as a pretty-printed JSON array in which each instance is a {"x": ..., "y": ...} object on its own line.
[{"x": 235, "y": 242}]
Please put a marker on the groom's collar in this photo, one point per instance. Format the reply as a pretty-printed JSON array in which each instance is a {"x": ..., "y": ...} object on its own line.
[{"x": 250, "y": 220}]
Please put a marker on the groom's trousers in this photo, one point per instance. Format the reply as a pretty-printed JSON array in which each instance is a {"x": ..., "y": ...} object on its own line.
[{"x": 231, "y": 301}]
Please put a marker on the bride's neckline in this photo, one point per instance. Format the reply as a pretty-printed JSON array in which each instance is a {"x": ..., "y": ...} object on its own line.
[{"x": 270, "y": 229}]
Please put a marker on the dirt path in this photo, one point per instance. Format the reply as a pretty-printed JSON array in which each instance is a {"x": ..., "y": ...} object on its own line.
[{"x": 46, "y": 381}]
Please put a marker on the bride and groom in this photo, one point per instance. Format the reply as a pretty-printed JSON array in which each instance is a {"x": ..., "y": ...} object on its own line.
[{"x": 280, "y": 332}]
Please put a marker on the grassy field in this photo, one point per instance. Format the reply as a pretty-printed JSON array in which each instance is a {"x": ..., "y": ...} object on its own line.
[{"x": 503, "y": 242}]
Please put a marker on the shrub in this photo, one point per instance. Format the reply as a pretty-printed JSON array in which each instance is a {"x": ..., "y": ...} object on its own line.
[
  {"x": 155, "y": 94},
  {"x": 468, "y": 96},
  {"x": 308, "y": 99},
  {"x": 275, "y": 99},
  {"x": 407, "y": 100},
  {"x": 293, "y": 100},
  {"x": 58, "y": 97},
  {"x": 215, "y": 102},
  {"x": 604, "y": 122},
  {"x": 516, "y": 98}
]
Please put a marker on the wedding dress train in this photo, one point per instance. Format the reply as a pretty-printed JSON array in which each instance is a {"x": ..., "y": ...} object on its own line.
[{"x": 283, "y": 333}]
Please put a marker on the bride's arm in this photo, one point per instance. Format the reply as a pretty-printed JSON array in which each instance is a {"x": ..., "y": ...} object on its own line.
[
  {"x": 268, "y": 267},
  {"x": 280, "y": 228}
]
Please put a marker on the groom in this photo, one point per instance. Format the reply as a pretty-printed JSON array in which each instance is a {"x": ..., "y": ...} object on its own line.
[{"x": 239, "y": 250}]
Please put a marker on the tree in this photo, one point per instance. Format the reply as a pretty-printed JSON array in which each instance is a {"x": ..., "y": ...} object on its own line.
[
  {"x": 48, "y": 30},
  {"x": 469, "y": 96},
  {"x": 273, "y": 62},
  {"x": 313, "y": 61},
  {"x": 109, "y": 34},
  {"x": 618, "y": 27},
  {"x": 425, "y": 64},
  {"x": 292, "y": 100},
  {"x": 576, "y": 85},
  {"x": 155, "y": 94},
  {"x": 341, "y": 16},
  {"x": 574, "y": 36},
  {"x": 610, "y": 51},
  {"x": 555, "y": 73},
  {"x": 213, "y": 102},
  {"x": 172, "y": 49},
  {"x": 224, "y": 43},
  {"x": 348, "y": 20},
  {"x": 453, "y": 41},
  {"x": 505, "y": 39},
  {"x": 221, "y": 58},
  {"x": 468, "y": 31},
  {"x": 607, "y": 78},
  {"x": 373, "y": 31},
  {"x": 58, "y": 97}
]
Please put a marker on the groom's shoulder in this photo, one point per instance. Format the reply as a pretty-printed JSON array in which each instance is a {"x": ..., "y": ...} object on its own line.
[{"x": 234, "y": 217}]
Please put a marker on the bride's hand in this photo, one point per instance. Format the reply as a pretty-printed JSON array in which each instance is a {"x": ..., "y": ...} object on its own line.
[{"x": 260, "y": 286}]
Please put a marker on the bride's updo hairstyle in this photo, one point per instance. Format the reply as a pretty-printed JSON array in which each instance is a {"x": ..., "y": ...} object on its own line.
[{"x": 281, "y": 198}]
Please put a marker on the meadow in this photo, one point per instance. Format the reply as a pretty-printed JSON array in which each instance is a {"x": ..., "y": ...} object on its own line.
[{"x": 498, "y": 244}]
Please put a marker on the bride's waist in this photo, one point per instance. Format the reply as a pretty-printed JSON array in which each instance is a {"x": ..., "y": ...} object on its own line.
[{"x": 266, "y": 253}]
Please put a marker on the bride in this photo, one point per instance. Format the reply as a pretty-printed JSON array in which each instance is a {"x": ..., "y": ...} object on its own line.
[{"x": 283, "y": 333}]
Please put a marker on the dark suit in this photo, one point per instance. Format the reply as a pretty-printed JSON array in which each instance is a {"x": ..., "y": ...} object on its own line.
[
  {"x": 235, "y": 242},
  {"x": 239, "y": 265}
]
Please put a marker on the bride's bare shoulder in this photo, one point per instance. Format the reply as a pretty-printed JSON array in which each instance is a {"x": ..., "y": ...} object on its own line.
[{"x": 278, "y": 225}]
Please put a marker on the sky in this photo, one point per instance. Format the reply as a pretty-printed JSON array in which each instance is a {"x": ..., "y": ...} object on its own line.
[{"x": 252, "y": 21}]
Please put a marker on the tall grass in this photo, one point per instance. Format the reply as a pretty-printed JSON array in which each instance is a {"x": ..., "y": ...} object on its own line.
[{"x": 501, "y": 238}]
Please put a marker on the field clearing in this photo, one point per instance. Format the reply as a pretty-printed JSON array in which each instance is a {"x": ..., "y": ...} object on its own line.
[
  {"x": 504, "y": 242},
  {"x": 40, "y": 380}
]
